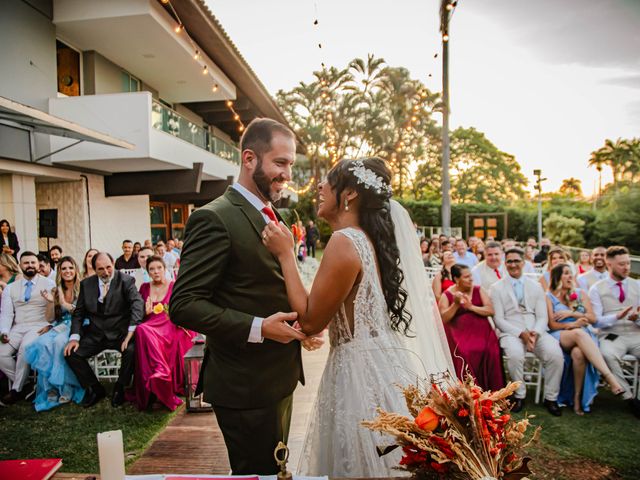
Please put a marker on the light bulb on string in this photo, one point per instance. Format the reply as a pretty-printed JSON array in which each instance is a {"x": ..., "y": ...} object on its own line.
[
  {"x": 205, "y": 70},
  {"x": 449, "y": 7},
  {"x": 241, "y": 128},
  {"x": 229, "y": 103},
  {"x": 445, "y": 38},
  {"x": 179, "y": 28},
  {"x": 196, "y": 55},
  {"x": 215, "y": 87},
  {"x": 164, "y": 1},
  {"x": 236, "y": 117}
]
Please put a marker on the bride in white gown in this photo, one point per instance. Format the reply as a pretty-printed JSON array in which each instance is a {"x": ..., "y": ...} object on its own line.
[{"x": 372, "y": 291}]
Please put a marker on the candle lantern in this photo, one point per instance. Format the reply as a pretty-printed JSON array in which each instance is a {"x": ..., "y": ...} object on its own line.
[{"x": 192, "y": 363}]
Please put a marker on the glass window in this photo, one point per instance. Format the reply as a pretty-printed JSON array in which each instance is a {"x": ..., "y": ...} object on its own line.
[
  {"x": 157, "y": 234},
  {"x": 157, "y": 214},
  {"x": 177, "y": 215}
]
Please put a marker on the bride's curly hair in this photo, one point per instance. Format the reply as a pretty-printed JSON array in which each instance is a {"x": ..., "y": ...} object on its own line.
[{"x": 375, "y": 219}]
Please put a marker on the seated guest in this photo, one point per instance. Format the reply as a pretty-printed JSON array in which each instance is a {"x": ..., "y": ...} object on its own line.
[
  {"x": 543, "y": 253},
  {"x": 434, "y": 255},
  {"x": 142, "y": 275},
  {"x": 489, "y": 271},
  {"x": 55, "y": 254},
  {"x": 584, "y": 262},
  {"x": 521, "y": 315},
  {"x": 473, "y": 343},
  {"x": 87, "y": 263},
  {"x": 616, "y": 303},
  {"x": 24, "y": 312},
  {"x": 8, "y": 240},
  {"x": 508, "y": 244},
  {"x": 127, "y": 261},
  {"x": 424, "y": 250},
  {"x": 464, "y": 256},
  {"x": 598, "y": 272},
  {"x": 570, "y": 315},
  {"x": 172, "y": 244},
  {"x": 113, "y": 306},
  {"x": 160, "y": 345},
  {"x": 56, "y": 383},
  {"x": 445, "y": 246},
  {"x": 136, "y": 248},
  {"x": 46, "y": 267},
  {"x": 9, "y": 270},
  {"x": 555, "y": 257},
  {"x": 168, "y": 257},
  {"x": 480, "y": 251},
  {"x": 443, "y": 280}
]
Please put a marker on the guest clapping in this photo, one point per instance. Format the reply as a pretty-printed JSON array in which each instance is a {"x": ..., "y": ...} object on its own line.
[
  {"x": 570, "y": 315},
  {"x": 473, "y": 343},
  {"x": 26, "y": 309},
  {"x": 56, "y": 382},
  {"x": 160, "y": 344}
]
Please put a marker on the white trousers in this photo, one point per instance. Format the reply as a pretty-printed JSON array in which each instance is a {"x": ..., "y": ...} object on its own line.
[
  {"x": 614, "y": 350},
  {"x": 548, "y": 350},
  {"x": 17, "y": 369}
]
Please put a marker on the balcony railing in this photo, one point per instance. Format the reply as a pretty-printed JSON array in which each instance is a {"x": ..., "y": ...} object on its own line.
[{"x": 167, "y": 120}]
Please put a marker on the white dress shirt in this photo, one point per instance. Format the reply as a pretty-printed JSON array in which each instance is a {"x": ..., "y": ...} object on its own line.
[
  {"x": 583, "y": 282},
  {"x": 255, "y": 334},
  {"x": 469, "y": 259},
  {"x": 604, "y": 321},
  {"x": 31, "y": 315}
]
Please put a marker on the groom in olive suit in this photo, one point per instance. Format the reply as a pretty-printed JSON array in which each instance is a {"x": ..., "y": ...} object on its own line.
[{"x": 231, "y": 288}]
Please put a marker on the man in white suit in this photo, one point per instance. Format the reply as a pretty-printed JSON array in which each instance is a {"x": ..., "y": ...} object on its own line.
[{"x": 521, "y": 316}]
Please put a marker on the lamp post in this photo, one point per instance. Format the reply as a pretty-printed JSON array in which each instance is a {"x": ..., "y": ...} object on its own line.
[
  {"x": 539, "y": 180},
  {"x": 446, "y": 10}
]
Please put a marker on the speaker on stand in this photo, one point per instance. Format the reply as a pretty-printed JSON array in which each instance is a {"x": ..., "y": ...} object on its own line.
[{"x": 48, "y": 224}]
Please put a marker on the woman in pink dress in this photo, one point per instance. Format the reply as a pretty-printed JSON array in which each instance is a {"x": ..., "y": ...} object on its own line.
[
  {"x": 160, "y": 345},
  {"x": 465, "y": 309}
]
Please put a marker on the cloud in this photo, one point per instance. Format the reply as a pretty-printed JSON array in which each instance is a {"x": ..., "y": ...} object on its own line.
[
  {"x": 630, "y": 81},
  {"x": 597, "y": 33}
]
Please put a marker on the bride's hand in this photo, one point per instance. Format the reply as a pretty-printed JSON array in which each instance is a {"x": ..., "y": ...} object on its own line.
[{"x": 278, "y": 239}]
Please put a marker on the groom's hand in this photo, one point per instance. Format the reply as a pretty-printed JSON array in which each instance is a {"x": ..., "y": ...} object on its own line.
[{"x": 277, "y": 329}]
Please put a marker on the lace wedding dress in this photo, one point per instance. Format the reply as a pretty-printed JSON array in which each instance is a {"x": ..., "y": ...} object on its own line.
[{"x": 362, "y": 372}]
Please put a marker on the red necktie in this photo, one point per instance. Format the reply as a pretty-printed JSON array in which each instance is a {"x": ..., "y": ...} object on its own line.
[
  {"x": 269, "y": 213},
  {"x": 497, "y": 273},
  {"x": 621, "y": 297}
]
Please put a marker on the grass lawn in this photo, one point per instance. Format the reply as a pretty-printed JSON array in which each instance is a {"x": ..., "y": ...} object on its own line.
[
  {"x": 582, "y": 447},
  {"x": 69, "y": 432}
]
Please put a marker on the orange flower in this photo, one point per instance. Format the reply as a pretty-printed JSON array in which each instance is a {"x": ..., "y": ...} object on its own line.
[{"x": 427, "y": 419}]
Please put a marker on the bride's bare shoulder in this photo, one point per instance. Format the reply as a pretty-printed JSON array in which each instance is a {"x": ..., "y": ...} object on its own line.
[{"x": 340, "y": 250}]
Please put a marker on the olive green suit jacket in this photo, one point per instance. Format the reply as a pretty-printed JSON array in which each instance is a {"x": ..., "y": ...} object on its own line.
[{"x": 226, "y": 278}]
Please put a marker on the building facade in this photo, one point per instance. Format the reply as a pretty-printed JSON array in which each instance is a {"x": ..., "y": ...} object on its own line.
[{"x": 160, "y": 95}]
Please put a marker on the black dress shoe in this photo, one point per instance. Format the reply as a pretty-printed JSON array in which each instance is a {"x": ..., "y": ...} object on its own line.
[
  {"x": 117, "y": 398},
  {"x": 552, "y": 407},
  {"x": 10, "y": 398},
  {"x": 634, "y": 406},
  {"x": 518, "y": 404},
  {"x": 93, "y": 395}
]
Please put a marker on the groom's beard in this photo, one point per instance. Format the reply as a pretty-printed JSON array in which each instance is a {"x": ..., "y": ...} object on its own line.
[{"x": 263, "y": 182}]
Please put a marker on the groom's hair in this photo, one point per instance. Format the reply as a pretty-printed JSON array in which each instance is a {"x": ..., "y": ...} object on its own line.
[{"x": 258, "y": 134}]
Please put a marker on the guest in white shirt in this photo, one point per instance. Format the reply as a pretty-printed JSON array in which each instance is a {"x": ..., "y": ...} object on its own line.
[
  {"x": 464, "y": 256},
  {"x": 616, "y": 303},
  {"x": 169, "y": 258},
  {"x": 521, "y": 315},
  {"x": 141, "y": 275},
  {"x": 598, "y": 272},
  {"x": 490, "y": 270},
  {"x": 46, "y": 267},
  {"x": 25, "y": 311}
]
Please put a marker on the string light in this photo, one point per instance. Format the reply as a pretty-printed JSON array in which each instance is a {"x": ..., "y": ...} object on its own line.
[
  {"x": 196, "y": 55},
  {"x": 179, "y": 28},
  {"x": 205, "y": 70},
  {"x": 303, "y": 190},
  {"x": 445, "y": 38},
  {"x": 215, "y": 87}
]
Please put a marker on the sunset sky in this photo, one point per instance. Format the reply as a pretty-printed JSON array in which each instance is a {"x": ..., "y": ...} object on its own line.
[{"x": 546, "y": 81}]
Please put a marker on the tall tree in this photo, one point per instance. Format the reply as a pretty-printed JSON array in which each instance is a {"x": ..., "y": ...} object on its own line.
[
  {"x": 571, "y": 187},
  {"x": 622, "y": 156}
]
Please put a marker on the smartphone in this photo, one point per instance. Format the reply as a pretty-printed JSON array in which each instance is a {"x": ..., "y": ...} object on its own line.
[{"x": 611, "y": 336}]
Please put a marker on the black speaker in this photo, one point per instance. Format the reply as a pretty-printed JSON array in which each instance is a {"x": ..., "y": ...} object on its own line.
[{"x": 48, "y": 223}]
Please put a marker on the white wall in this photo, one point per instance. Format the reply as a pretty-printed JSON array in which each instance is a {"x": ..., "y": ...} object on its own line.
[
  {"x": 114, "y": 219},
  {"x": 18, "y": 205}
]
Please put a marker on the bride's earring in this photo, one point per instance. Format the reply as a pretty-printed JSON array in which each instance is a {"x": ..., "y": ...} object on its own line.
[{"x": 346, "y": 204}]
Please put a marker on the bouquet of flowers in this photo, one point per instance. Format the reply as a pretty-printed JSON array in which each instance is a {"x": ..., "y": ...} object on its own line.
[{"x": 458, "y": 431}]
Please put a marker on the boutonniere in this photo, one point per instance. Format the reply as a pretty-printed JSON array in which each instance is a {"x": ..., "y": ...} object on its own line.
[{"x": 158, "y": 308}]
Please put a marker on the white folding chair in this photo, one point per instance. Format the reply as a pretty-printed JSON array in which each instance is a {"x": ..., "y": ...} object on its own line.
[
  {"x": 630, "y": 372},
  {"x": 106, "y": 365}
]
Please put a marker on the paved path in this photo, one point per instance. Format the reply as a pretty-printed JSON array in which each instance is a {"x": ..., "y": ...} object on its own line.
[{"x": 192, "y": 443}]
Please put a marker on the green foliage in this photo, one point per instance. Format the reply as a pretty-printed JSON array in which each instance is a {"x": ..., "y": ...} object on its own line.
[
  {"x": 564, "y": 230},
  {"x": 571, "y": 187},
  {"x": 618, "y": 218},
  {"x": 365, "y": 109},
  {"x": 622, "y": 156},
  {"x": 480, "y": 172},
  {"x": 69, "y": 432}
]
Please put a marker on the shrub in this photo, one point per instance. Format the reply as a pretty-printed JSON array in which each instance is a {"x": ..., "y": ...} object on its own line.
[{"x": 564, "y": 230}]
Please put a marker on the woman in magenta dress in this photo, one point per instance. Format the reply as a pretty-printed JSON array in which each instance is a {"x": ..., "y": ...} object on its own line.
[
  {"x": 160, "y": 345},
  {"x": 465, "y": 309}
]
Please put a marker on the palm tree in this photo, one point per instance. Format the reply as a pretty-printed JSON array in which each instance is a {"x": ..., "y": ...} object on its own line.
[
  {"x": 621, "y": 156},
  {"x": 571, "y": 187}
]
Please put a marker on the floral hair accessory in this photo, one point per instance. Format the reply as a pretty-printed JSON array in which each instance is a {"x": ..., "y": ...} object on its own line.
[{"x": 369, "y": 178}]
